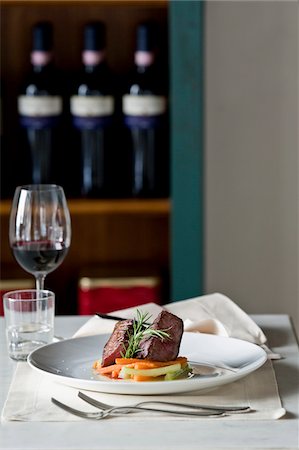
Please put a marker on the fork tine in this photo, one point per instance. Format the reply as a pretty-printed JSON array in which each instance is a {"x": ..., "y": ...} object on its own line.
[
  {"x": 93, "y": 401},
  {"x": 86, "y": 415}
]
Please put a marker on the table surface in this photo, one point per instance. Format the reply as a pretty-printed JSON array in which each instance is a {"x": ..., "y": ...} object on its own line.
[{"x": 166, "y": 435}]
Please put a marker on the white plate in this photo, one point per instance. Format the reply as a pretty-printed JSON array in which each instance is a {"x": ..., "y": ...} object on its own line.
[{"x": 70, "y": 362}]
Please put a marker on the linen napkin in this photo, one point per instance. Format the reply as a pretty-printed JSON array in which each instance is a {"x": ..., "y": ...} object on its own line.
[{"x": 212, "y": 314}]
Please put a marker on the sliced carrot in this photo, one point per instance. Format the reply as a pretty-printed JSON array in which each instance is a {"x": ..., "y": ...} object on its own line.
[
  {"x": 142, "y": 378},
  {"x": 125, "y": 361},
  {"x": 144, "y": 364},
  {"x": 150, "y": 363},
  {"x": 147, "y": 365},
  {"x": 115, "y": 373},
  {"x": 110, "y": 369},
  {"x": 113, "y": 370},
  {"x": 180, "y": 359}
]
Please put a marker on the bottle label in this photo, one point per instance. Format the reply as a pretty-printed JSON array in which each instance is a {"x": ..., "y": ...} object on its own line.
[
  {"x": 146, "y": 111},
  {"x": 92, "y": 106},
  {"x": 92, "y": 112},
  {"x": 144, "y": 105},
  {"x": 39, "y": 112},
  {"x": 39, "y": 105}
]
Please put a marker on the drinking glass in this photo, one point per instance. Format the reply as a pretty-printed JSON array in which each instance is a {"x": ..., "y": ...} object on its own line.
[
  {"x": 39, "y": 229},
  {"x": 29, "y": 317}
]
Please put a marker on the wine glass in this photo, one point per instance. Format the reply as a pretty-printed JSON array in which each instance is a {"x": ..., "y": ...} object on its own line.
[{"x": 39, "y": 229}]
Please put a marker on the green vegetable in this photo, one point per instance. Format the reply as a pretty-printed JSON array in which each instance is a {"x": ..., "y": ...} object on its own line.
[
  {"x": 182, "y": 373},
  {"x": 156, "y": 372}
]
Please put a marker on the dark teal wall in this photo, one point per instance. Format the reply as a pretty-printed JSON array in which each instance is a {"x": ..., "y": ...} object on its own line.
[{"x": 186, "y": 97}]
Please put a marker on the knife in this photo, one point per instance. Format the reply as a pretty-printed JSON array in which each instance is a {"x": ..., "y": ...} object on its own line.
[{"x": 108, "y": 316}]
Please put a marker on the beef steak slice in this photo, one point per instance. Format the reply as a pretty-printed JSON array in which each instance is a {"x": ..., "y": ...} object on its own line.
[
  {"x": 165, "y": 349},
  {"x": 115, "y": 345}
]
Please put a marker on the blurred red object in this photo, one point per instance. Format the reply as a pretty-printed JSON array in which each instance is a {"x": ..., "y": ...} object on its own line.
[
  {"x": 110, "y": 294},
  {"x": 14, "y": 285}
]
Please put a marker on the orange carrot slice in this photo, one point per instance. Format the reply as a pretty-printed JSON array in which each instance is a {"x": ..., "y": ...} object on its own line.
[
  {"x": 149, "y": 363},
  {"x": 115, "y": 373},
  {"x": 144, "y": 364},
  {"x": 110, "y": 369},
  {"x": 125, "y": 361},
  {"x": 144, "y": 378}
]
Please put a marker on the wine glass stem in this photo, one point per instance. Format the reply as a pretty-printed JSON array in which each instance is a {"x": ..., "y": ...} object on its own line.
[{"x": 40, "y": 281}]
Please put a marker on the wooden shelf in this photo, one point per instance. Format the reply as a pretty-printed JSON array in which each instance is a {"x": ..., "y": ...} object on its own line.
[
  {"x": 133, "y": 3},
  {"x": 151, "y": 207},
  {"x": 127, "y": 206}
]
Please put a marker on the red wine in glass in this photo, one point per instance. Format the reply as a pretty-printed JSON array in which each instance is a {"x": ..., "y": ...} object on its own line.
[
  {"x": 39, "y": 229},
  {"x": 39, "y": 256}
]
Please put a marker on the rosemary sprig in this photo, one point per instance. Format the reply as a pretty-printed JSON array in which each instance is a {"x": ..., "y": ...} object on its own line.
[{"x": 141, "y": 329}]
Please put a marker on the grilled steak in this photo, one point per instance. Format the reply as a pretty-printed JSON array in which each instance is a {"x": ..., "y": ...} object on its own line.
[
  {"x": 165, "y": 349},
  {"x": 114, "y": 347}
]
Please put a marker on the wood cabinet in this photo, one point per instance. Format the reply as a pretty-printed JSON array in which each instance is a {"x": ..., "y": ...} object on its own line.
[{"x": 163, "y": 234}]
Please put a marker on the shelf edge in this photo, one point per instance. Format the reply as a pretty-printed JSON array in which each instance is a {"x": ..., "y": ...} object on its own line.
[{"x": 109, "y": 207}]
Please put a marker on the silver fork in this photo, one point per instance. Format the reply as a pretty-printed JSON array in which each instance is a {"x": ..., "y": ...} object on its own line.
[
  {"x": 117, "y": 410},
  {"x": 216, "y": 408}
]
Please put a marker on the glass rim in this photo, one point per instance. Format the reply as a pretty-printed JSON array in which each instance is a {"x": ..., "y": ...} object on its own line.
[
  {"x": 39, "y": 187},
  {"x": 9, "y": 295}
]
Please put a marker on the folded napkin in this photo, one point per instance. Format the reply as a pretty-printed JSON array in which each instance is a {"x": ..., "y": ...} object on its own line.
[{"x": 211, "y": 314}]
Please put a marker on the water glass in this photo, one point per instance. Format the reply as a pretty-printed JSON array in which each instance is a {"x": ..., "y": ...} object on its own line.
[{"x": 29, "y": 318}]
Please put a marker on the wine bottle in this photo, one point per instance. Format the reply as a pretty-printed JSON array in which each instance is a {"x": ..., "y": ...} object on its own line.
[
  {"x": 92, "y": 106},
  {"x": 40, "y": 107},
  {"x": 144, "y": 106}
]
